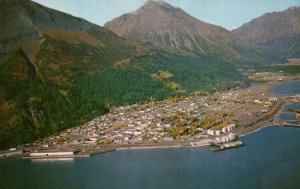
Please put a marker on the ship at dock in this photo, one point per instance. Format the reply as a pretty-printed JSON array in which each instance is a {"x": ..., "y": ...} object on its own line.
[
  {"x": 226, "y": 146},
  {"x": 226, "y": 142}
]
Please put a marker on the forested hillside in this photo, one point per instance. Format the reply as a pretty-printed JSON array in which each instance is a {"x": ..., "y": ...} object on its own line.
[{"x": 58, "y": 71}]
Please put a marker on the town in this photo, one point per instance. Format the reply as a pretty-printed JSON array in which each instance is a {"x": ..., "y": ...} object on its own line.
[
  {"x": 192, "y": 121},
  {"x": 195, "y": 120},
  {"x": 173, "y": 119}
]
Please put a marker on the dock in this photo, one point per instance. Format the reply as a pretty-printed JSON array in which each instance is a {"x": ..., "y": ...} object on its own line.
[
  {"x": 292, "y": 125},
  {"x": 11, "y": 154},
  {"x": 226, "y": 146},
  {"x": 56, "y": 157}
]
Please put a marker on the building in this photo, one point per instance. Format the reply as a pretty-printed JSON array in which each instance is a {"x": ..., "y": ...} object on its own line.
[
  {"x": 273, "y": 99},
  {"x": 228, "y": 128},
  {"x": 227, "y": 138},
  {"x": 137, "y": 133},
  {"x": 118, "y": 141},
  {"x": 231, "y": 136},
  {"x": 210, "y": 132},
  {"x": 168, "y": 139},
  {"x": 258, "y": 101},
  {"x": 218, "y": 132},
  {"x": 51, "y": 154}
]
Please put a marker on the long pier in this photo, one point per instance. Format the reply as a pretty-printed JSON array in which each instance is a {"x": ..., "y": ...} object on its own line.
[{"x": 55, "y": 157}]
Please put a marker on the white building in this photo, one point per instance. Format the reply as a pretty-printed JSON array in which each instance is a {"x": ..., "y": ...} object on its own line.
[
  {"x": 136, "y": 133},
  {"x": 168, "y": 139},
  {"x": 258, "y": 101},
  {"x": 228, "y": 128},
  {"x": 227, "y": 138},
  {"x": 218, "y": 132},
  {"x": 41, "y": 154},
  {"x": 273, "y": 99},
  {"x": 210, "y": 132},
  {"x": 129, "y": 132}
]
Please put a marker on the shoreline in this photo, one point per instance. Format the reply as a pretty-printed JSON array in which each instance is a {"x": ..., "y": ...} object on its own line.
[
  {"x": 153, "y": 147},
  {"x": 268, "y": 120},
  {"x": 176, "y": 145}
]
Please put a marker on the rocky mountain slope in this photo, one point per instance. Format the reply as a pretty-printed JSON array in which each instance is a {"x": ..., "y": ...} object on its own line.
[
  {"x": 43, "y": 36},
  {"x": 165, "y": 25},
  {"x": 276, "y": 34}
]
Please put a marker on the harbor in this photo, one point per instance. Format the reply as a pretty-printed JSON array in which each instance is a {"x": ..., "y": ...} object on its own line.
[
  {"x": 221, "y": 141},
  {"x": 235, "y": 167}
]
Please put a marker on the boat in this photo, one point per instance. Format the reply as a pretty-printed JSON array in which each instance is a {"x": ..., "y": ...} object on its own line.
[{"x": 227, "y": 146}]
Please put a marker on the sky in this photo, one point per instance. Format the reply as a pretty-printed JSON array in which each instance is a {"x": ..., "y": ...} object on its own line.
[{"x": 229, "y": 14}]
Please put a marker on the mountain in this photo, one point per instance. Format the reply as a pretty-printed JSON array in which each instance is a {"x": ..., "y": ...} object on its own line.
[
  {"x": 44, "y": 37},
  {"x": 276, "y": 34},
  {"x": 41, "y": 52},
  {"x": 58, "y": 71},
  {"x": 165, "y": 25}
]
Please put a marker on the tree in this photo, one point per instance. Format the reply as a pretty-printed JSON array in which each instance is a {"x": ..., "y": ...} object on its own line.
[{"x": 106, "y": 141}]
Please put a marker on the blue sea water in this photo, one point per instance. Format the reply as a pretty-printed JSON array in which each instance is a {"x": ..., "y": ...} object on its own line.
[{"x": 270, "y": 159}]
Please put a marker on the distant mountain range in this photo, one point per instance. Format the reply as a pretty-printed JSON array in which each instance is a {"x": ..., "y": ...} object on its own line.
[
  {"x": 276, "y": 34},
  {"x": 58, "y": 71}
]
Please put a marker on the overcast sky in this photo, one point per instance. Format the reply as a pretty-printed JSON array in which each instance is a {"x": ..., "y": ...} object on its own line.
[{"x": 229, "y": 14}]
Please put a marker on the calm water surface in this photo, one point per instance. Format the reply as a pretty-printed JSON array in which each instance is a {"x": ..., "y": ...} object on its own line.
[
  {"x": 286, "y": 89},
  {"x": 270, "y": 159},
  {"x": 294, "y": 106},
  {"x": 288, "y": 117}
]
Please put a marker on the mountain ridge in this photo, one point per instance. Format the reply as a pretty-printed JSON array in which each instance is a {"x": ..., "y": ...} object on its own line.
[
  {"x": 276, "y": 34},
  {"x": 165, "y": 25}
]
